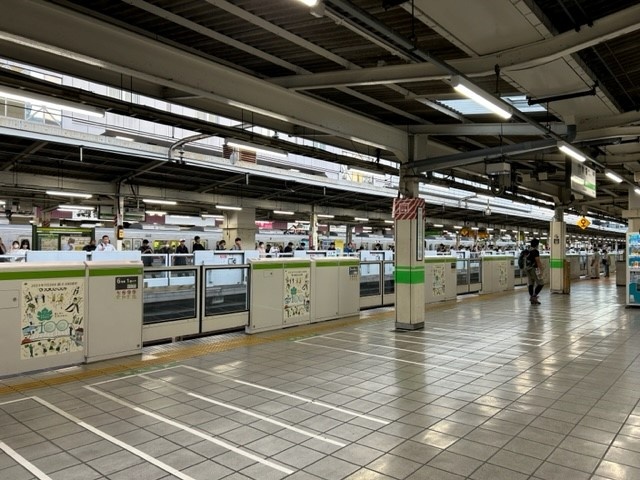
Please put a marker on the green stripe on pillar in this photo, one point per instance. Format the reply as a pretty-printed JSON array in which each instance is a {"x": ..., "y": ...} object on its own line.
[
  {"x": 556, "y": 263},
  {"x": 409, "y": 275}
]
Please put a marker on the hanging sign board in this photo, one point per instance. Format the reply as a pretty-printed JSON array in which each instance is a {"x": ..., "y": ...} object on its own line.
[{"x": 583, "y": 179}]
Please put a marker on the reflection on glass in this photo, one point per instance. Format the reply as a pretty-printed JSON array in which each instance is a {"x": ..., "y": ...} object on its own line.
[
  {"x": 389, "y": 283},
  {"x": 369, "y": 279},
  {"x": 169, "y": 295},
  {"x": 226, "y": 291}
]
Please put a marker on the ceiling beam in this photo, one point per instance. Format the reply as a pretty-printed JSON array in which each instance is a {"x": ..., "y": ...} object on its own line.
[
  {"x": 476, "y": 156},
  {"x": 525, "y": 57},
  {"x": 62, "y": 32},
  {"x": 484, "y": 129}
]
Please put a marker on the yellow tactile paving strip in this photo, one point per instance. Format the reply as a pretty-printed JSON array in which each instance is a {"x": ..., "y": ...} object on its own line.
[{"x": 171, "y": 353}]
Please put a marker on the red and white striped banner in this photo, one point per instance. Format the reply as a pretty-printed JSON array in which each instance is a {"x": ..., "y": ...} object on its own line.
[{"x": 406, "y": 208}]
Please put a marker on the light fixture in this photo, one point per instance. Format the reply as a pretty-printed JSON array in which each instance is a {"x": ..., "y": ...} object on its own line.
[
  {"x": 571, "y": 151},
  {"x": 209, "y": 215},
  {"x": 438, "y": 225},
  {"x": 310, "y": 3},
  {"x": 155, "y": 212},
  {"x": 55, "y": 103},
  {"x": 361, "y": 219},
  {"x": 637, "y": 190},
  {"x": 56, "y": 193},
  {"x": 255, "y": 148},
  {"x": 323, "y": 215},
  {"x": 476, "y": 94},
  {"x": 613, "y": 176},
  {"x": 227, "y": 207},
  {"x": 125, "y": 139},
  {"x": 73, "y": 207},
  {"x": 283, "y": 212},
  {"x": 457, "y": 227},
  {"x": 389, "y": 221},
  {"x": 159, "y": 202}
]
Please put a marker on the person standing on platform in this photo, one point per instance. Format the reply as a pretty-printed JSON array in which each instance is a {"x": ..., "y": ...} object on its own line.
[
  {"x": 595, "y": 264},
  {"x": 262, "y": 251},
  {"x": 221, "y": 245},
  {"x": 71, "y": 244},
  {"x": 105, "y": 245},
  {"x": 288, "y": 248},
  {"x": 605, "y": 262},
  {"x": 238, "y": 244},
  {"x": 3, "y": 249},
  {"x": 146, "y": 250},
  {"x": 25, "y": 245},
  {"x": 90, "y": 247},
  {"x": 533, "y": 266},
  {"x": 196, "y": 244},
  {"x": 182, "y": 250}
]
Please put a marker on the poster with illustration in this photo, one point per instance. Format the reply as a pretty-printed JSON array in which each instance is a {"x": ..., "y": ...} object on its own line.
[
  {"x": 438, "y": 286},
  {"x": 52, "y": 317},
  {"x": 503, "y": 278},
  {"x": 297, "y": 294}
]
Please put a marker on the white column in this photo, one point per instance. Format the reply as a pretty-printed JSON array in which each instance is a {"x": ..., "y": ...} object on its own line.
[
  {"x": 558, "y": 243},
  {"x": 240, "y": 224}
]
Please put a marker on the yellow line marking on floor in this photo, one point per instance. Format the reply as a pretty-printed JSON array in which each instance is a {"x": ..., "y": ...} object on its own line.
[{"x": 19, "y": 384}]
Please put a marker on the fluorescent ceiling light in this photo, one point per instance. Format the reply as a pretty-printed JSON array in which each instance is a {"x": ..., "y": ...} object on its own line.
[
  {"x": 255, "y": 148},
  {"x": 389, "y": 221},
  {"x": 323, "y": 215},
  {"x": 572, "y": 152},
  {"x": 227, "y": 207},
  {"x": 613, "y": 176},
  {"x": 159, "y": 202},
  {"x": 637, "y": 190},
  {"x": 310, "y": 3},
  {"x": 155, "y": 212},
  {"x": 457, "y": 227},
  {"x": 476, "y": 94},
  {"x": 361, "y": 219},
  {"x": 73, "y": 207},
  {"x": 56, "y": 193},
  {"x": 437, "y": 225},
  {"x": 209, "y": 215},
  {"x": 283, "y": 212},
  {"x": 2, "y": 202},
  {"x": 126, "y": 139},
  {"x": 45, "y": 101}
]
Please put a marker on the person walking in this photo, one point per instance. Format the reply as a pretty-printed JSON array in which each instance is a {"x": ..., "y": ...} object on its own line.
[{"x": 535, "y": 280}]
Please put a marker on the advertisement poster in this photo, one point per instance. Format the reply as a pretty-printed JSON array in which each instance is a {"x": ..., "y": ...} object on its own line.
[
  {"x": 52, "y": 317},
  {"x": 438, "y": 280},
  {"x": 296, "y": 293},
  {"x": 503, "y": 279}
]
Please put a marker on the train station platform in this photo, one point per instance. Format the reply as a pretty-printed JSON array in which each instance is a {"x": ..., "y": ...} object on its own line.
[{"x": 492, "y": 388}]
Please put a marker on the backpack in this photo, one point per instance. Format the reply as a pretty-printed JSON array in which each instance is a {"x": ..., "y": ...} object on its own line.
[{"x": 522, "y": 259}]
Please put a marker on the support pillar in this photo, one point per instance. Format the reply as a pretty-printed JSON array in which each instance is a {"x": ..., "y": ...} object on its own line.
[
  {"x": 241, "y": 224},
  {"x": 408, "y": 213},
  {"x": 313, "y": 231},
  {"x": 558, "y": 243},
  {"x": 119, "y": 206}
]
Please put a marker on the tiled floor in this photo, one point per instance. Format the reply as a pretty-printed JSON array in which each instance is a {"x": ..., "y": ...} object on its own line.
[{"x": 492, "y": 388}]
